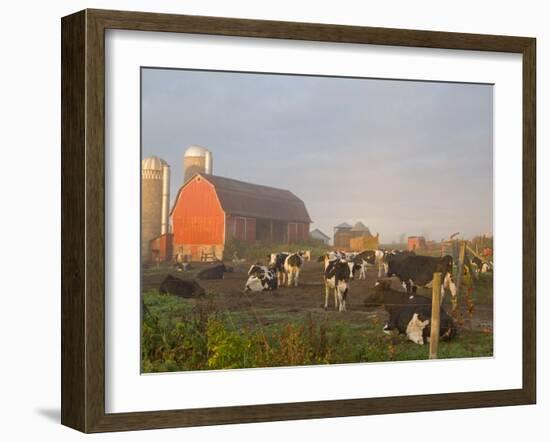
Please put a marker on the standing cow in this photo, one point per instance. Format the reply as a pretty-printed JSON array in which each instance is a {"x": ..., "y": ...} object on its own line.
[
  {"x": 277, "y": 264},
  {"x": 292, "y": 267},
  {"x": 337, "y": 277},
  {"x": 417, "y": 271}
]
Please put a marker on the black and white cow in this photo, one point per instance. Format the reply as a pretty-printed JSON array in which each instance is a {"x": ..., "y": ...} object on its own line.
[
  {"x": 337, "y": 276},
  {"x": 417, "y": 271},
  {"x": 480, "y": 266},
  {"x": 293, "y": 265},
  {"x": 180, "y": 287},
  {"x": 182, "y": 266},
  {"x": 364, "y": 259},
  {"x": 215, "y": 272},
  {"x": 409, "y": 314},
  {"x": 349, "y": 258},
  {"x": 277, "y": 264},
  {"x": 260, "y": 278}
]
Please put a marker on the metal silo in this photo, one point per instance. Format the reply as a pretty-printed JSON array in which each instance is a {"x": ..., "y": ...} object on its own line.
[
  {"x": 196, "y": 159},
  {"x": 155, "y": 197}
]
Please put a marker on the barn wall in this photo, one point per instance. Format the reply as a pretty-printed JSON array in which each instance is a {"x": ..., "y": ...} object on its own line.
[
  {"x": 342, "y": 239},
  {"x": 198, "y": 220}
]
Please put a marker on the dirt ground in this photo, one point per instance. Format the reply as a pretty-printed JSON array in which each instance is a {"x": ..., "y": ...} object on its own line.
[{"x": 308, "y": 298}]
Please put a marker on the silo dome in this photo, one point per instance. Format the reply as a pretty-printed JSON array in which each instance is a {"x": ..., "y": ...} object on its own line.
[
  {"x": 195, "y": 151},
  {"x": 152, "y": 163},
  {"x": 196, "y": 159}
]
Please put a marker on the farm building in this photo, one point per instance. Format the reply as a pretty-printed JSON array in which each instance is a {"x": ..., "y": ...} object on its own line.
[
  {"x": 357, "y": 237},
  {"x": 416, "y": 243},
  {"x": 209, "y": 210},
  {"x": 161, "y": 248},
  {"x": 320, "y": 236},
  {"x": 155, "y": 196}
]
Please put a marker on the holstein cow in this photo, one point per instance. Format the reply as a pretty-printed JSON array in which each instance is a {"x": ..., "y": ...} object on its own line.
[
  {"x": 337, "y": 276},
  {"x": 260, "y": 278},
  {"x": 480, "y": 266},
  {"x": 362, "y": 260},
  {"x": 181, "y": 287},
  {"x": 277, "y": 264},
  {"x": 417, "y": 271},
  {"x": 215, "y": 272},
  {"x": 292, "y": 267},
  {"x": 409, "y": 314}
]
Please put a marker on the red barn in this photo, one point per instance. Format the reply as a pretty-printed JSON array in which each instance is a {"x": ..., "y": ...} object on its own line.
[{"x": 209, "y": 210}]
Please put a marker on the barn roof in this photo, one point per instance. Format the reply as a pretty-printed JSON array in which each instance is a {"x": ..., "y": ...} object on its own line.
[
  {"x": 256, "y": 201},
  {"x": 343, "y": 225},
  {"x": 319, "y": 233},
  {"x": 360, "y": 227}
]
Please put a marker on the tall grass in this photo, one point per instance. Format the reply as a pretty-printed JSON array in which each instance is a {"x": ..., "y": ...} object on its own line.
[{"x": 180, "y": 335}]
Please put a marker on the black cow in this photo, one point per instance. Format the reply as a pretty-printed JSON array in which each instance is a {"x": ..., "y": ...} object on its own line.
[
  {"x": 181, "y": 287},
  {"x": 409, "y": 314},
  {"x": 337, "y": 276},
  {"x": 417, "y": 271},
  {"x": 384, "y": 295},
  {"x": 215, "y": 272}
]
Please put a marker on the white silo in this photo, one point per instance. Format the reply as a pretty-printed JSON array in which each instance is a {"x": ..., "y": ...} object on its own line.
[
  {"x": 196, "y": 159},
  {"x": 155, "y": 197}
]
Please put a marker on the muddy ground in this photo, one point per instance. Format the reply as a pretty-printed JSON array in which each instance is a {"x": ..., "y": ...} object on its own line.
[{"x": 288, "y": 303}]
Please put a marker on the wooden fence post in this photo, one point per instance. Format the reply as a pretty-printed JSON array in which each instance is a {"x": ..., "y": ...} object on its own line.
[
  {"x": 460, "y": 271},
  {"x": 435, "y": 320}
]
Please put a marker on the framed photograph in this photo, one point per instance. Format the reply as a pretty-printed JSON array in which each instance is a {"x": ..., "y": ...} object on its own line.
[{"x": 268, "y": 220}]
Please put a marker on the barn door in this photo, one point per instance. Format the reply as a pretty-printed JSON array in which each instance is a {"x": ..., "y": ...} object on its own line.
[
  {"x": 240, "y": 228},
  {"x": 292, "y": 232}
]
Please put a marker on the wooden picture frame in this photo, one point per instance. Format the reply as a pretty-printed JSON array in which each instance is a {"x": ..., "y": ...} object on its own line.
[{"x": 83, "y": 220}]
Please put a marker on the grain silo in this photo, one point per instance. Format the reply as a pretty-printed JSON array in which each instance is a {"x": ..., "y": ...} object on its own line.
[
  {"x": 196, "y": 159},
  {"x": 155, "y": 200}
]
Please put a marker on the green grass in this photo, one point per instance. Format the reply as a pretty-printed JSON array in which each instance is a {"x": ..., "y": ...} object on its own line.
[{"x": 181, "y": 334}]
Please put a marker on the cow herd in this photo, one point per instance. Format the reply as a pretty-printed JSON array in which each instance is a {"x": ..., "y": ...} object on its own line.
[{"x": 409, "y": 313}]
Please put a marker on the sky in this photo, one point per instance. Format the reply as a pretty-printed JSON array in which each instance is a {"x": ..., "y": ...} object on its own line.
[{"x": 404, "y": 157}]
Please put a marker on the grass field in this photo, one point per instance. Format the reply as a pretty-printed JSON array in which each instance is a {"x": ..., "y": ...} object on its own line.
[{"x": 231, "y": 329}]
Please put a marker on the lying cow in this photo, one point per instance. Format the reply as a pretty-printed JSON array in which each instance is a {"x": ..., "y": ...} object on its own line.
[
  {"x": 182, "y": 266},
  {"x": 277, "y": 264},
  {"x": 181, "y": 287},
  {"x": 417, "y": 271},
  {"x": 409, "y": 314},
  {"x": 215, "y": 272},
  {"x": 260, "y": 278},
  {"x": 292, "y": 267}
]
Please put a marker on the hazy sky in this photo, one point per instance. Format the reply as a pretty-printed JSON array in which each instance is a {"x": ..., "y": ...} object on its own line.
[{"x": 404, "y": 157}]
